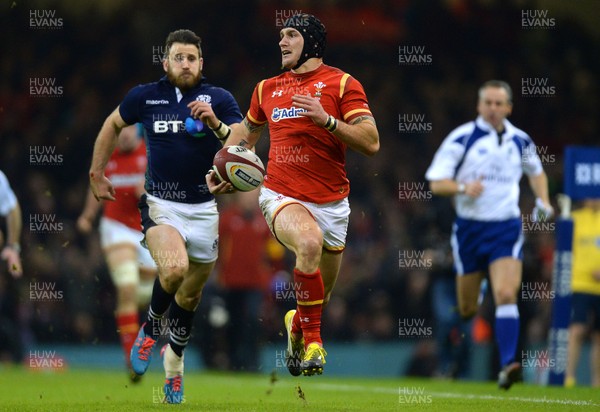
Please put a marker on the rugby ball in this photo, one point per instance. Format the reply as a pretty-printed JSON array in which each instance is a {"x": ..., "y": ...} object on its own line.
[{"x": 240, "y": 167}]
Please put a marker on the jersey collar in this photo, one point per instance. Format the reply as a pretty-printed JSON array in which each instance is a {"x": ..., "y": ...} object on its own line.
[{"x": 482, "y": 124}]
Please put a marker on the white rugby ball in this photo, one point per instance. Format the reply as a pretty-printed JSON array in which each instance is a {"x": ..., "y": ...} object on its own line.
[{"x": 240, "y": 167}]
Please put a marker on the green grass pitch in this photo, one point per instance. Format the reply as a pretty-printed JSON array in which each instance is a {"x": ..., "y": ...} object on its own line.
[{"x": 101, "y": 390}]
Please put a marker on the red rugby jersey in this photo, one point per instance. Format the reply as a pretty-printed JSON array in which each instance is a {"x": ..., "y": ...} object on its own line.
[
  {"x": 306, "y": 161},
  {"x": 126, "y": 170}
]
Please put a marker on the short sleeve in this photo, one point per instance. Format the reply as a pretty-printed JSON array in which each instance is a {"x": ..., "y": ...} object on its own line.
[
  {"x": 445, "y": 161},
  {"x": 228, "y": 110},
  {"x": 255, "y": 114},
  {"x": 532, "y": 165},
  {"x": 354, "y": 101},
  {"x": 8, "y": 200},
  {"x": 129, "y": 107}
]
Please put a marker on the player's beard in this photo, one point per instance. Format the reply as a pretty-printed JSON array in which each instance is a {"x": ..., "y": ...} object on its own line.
[{"x": 183, "y": 83}]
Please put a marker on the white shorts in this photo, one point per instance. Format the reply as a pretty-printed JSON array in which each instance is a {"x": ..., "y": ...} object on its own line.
[
  {"x": 331, "y": 217},
  {"x": 113, "y": 232},
  {"x": 197, "y": 223}
]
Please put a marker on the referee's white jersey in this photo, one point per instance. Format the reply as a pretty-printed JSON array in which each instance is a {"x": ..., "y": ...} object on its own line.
[
  {"x": 8, "y": 200},
  {"x": 475, "y": 151}
]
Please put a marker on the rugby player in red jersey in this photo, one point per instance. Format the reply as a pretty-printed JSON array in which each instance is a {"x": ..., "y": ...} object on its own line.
[
  {"x": 314, "y": 112},
  {"x": 131, "y": 267}
]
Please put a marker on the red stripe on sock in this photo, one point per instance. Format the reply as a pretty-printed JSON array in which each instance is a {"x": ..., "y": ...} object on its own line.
[
  {"x": 128, "y": 325},
  {"x": 309, "y": 300}
]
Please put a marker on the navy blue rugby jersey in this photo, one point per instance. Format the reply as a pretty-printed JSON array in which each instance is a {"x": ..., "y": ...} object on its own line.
[{"x": 177, "y": 160}]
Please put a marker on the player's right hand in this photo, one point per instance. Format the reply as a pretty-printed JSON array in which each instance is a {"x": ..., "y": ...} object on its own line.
[
  {"x": 474, "y": 188},
  {"x": 13, "y": 261},
  {"x": 203, "y": 111},
  {"x": 101, "y": 187},
  {"x": 216, "y": 187}
]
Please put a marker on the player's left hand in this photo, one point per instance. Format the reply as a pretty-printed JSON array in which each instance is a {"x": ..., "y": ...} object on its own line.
[
  {"x": 541, "y": 211},
  {"x": 13, "y": 261},
  {"x": 217, "y": 187},
  {"x": 313, "y": 107},
  {"x": 204, "y": 112}
]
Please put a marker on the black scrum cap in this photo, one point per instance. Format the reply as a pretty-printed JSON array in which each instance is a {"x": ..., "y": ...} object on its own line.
[{"x": 314, "y": 34}]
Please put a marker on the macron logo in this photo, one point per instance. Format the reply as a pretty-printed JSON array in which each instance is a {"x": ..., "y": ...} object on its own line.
[{"x": 157, "y": 102}]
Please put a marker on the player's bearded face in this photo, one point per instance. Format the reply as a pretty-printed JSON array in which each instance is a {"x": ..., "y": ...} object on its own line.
[
  {"x": 291, "y": 45},
  {"x": 183, "y": 66}
]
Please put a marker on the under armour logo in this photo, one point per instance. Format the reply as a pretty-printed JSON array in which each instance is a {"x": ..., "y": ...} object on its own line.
[
  {"x": 277, "y": 93},
  {"x": 303, "y": 319}
]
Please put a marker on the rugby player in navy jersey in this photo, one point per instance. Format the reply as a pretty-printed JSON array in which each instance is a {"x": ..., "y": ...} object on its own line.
[
  {"x": 481, "y": 164},
  {"x": 179, "y": 214}
]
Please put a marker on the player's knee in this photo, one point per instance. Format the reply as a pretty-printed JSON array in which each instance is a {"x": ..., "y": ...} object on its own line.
[
  {"x": 172, "y": 276},
  {"x": 310, "y": 249},
  {"x": 577, "y": 331},
  {"x": 126, "y": 294},
  {"x": 505, "y": 296},
  {"x": 126, "y": 273},
  {"x": 467, "y": 311}
]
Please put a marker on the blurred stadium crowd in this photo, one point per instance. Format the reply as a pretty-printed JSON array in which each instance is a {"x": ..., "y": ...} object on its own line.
[{"x": 101, "y": 50}]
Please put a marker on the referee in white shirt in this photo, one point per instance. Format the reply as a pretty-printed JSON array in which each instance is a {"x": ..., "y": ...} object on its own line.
[
  {"x": 480, "y": 164},
  {"x": 9, "y": 208}
]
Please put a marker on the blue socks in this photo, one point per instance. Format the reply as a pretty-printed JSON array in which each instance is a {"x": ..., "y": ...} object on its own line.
[{"x": 507, "y": 332}]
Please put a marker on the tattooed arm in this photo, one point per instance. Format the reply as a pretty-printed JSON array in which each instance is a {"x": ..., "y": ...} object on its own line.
[
  {"x": 245, "y": 134},
  {"x": 360, "y": 135}
]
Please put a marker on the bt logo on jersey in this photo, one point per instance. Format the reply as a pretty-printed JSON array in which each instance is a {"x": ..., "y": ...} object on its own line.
[{"x": 166, "y": 126}]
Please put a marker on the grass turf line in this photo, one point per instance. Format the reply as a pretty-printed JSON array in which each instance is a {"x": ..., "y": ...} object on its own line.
[{"x": 99, "y": 390}]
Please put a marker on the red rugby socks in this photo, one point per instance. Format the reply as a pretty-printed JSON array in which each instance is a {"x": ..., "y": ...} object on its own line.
[
  {"x": 128, "y": 327},
  {"x": 309, "y": 300}
]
